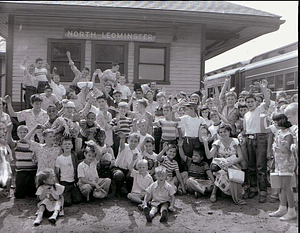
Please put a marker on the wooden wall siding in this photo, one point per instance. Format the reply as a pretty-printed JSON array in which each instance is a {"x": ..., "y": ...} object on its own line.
[
  {"x": 31, "y": 39},
  {"x": 4, "y": 25},
  {"x": 3, "y": 67}
]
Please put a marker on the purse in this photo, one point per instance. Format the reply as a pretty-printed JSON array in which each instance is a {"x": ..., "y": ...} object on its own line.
[{"x": 236, "y": 176}]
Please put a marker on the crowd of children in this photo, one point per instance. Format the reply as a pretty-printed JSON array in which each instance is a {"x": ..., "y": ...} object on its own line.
[{"x": 72, "y": 145}]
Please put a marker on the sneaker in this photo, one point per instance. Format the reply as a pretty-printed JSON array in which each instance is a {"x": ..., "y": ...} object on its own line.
[
  {"x": 147, "y": 214},
  {"x": 179, "y": 192},
  {"x": 164, "y": 216},
  {"x": 277, "y": 213},
  {"x": 52, "y": 220},
  {"x": 262, "y": 199},
  {"x": 252, "y": 194},
  {"x": 140, "y": 207},
  {"x": 213, "y": 198},
  {"x": 288, "y": 216}
]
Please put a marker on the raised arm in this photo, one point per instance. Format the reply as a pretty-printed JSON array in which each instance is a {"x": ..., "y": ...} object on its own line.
[
  {"x": 10, "y": 109},
  {"x": 10, "y": 140},
  {"x": 225, "y": 87},
  {"x": 181, "y": 152},
  {"x": 31, "y": 133},
  {"x": 165, "y": 147},
  {"x": 122, "y": 141},
  {"x": 209, "y": 153}
]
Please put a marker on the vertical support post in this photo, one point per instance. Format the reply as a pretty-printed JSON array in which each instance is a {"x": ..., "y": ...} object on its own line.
[
  {"x": 202, "y": 53},
  {"x": 9, "y": 55}
]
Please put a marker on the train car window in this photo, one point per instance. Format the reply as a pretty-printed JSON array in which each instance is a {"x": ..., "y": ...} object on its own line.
[
  {"x": 271, "y": 83},
  {"x": 289, "y": 81},
  {"x": 279, "y": 82}
]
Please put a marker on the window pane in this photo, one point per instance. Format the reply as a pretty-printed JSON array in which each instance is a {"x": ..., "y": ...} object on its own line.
[
  {"x": 64, "y": 68},
  {"x": 107, "y": 52},
  {"x": 290, "y": 81},
  {"x": 150, "y": 55},
  {"x": 279, "y": 82},
  {"x": 248, "y": 83},
  {"x": 271, "y": 83},
  {"x": 152, "y": 72},
  {"x": 59, "y": 51}
]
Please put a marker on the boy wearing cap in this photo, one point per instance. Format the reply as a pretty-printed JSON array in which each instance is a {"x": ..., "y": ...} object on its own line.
[{"x": 49, "y": 98}]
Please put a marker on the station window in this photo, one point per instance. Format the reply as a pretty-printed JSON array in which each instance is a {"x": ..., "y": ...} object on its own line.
[
  {"x": 104, "y": 53},
  {"x": 152, "y": 63},
  {"x": 57, "y": 56}
]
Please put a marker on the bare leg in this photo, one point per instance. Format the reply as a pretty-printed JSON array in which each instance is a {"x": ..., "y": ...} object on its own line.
[
  {"x": 213, "y": 196},
  {"x": 134, "y": 198},
  {"x": 53, "y": 218},
  {"x": 164, "y": 213}
]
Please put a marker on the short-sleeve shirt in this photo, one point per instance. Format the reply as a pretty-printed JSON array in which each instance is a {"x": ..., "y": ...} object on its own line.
[
  {"x": 125, "y": 124},
  {"x": 169, "y": 131},
  {"x": 31, "y": 120},
  {"x": 252, "y": 120},
  {"x": 48, "y": 100},
  {"x": 140, "y": 183},
  {"x": 171, "y": 166},
  {"x": 232, "y": 116},
  {"x": 224, "y": 152},
  {"x": 124, "y": 158},
  {"x": 88, "y": 171},
  {"x": 191, "y": 125},
  {"x": 151, "y": 158},
  {"x": 65, "y": 165},
  {"x": 160, "y": 195},
  {"x": 58, "y": 89},
  {"x": 197, "y": 170},
  {"x": 126, "y": 93},
  {"x": 46, "y": 156}
]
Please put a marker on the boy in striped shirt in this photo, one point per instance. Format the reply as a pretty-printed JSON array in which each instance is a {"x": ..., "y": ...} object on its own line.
[
  {"x": 121, "y": 123},
  {"x": 25, "y": 167},
  {"x": 171, "y": 165}
]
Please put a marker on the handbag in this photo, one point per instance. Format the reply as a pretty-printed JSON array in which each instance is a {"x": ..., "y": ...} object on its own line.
[{"x": 236, "y": 176}]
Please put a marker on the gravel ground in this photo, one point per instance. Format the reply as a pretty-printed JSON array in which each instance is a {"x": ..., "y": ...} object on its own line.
[{"x": 120, "y": 215}]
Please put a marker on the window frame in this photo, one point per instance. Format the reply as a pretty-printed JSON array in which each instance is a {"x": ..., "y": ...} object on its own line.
[
  {"x": 123, "y": 43},
  {"x": 82, "y": 52},
  {"x": 139, "y": 45}
]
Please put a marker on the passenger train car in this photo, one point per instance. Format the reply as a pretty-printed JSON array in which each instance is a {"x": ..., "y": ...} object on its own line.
[{"x": 279, "y": 67}]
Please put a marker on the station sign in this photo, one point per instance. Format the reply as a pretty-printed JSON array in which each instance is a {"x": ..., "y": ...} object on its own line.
[{"x": 109, "y": 35}]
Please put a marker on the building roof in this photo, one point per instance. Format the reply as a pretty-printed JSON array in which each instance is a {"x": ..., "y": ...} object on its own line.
[{"x": 220, "y": 7}]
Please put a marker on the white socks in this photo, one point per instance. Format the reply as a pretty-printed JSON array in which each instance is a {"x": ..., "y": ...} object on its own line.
[
  {"x": 290, "y": 215},
  {"x": 280, "y": 212}
]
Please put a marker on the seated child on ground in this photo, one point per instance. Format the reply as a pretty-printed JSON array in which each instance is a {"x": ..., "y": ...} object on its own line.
[
  {"x": 160, "y": 196},
  {"x": 141, "y": 180},
  {"x": 50, "y": 195},
  {"x": 195, "y": 179},
  {"x": 89, "y": 181}
]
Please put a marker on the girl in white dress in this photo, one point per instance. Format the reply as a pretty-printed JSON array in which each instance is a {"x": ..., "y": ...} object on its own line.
[{"x": 50, "y": 195}]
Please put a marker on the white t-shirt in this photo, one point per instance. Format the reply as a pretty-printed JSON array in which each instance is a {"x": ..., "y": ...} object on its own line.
[
  {"x": 140, "y": 183},
  {"x": 126, "y": 93},
  {"x": 64, "y": 163},
  {"x": 40, "y": 74},
  {"x": 58, "y": 90},
  {"x": 88, "y": 171},
  {"x": 252, "y": 120},
  {"x": 124, "y": 158},
  {"x": 191, "y": 125}
]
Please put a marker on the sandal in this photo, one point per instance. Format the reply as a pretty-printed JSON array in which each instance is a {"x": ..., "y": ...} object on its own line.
[{"x": 213, "y": 198}]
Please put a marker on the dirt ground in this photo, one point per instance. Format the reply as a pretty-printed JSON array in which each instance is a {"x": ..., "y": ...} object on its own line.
[{"x": 120, "y": 215}]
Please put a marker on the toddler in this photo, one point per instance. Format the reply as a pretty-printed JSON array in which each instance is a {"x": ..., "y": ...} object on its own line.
[
  {"x": 50, "y": 195},
  {"x": 147, "y": 147},
  {"x": 141, "y": 180},
  {"x": 160, "y": 194}
]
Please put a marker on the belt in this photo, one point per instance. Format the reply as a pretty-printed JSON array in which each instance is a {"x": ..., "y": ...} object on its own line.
[{"x": 253, "y": 136}]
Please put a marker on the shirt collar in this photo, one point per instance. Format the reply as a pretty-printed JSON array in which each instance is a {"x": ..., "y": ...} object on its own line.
[{"x": 156, "y": 185}]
